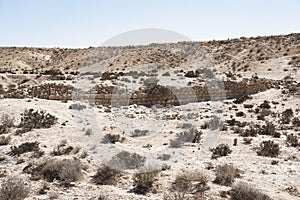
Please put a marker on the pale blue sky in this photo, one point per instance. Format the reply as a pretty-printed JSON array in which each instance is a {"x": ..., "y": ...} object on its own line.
[{"x": 84, "y": 23}]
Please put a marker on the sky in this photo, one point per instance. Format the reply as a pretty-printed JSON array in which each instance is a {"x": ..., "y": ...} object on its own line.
[{"x": 84, "y": 23}]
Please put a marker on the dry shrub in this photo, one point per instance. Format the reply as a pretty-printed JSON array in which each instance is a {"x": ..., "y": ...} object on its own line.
[
  {"x": 13, "y": 189},
  {"x": 111, "y": 138},
  {"x": 191, "y": 136},
  {"x": 24, "y": 148},
  {"x": 220, "y": 150},
  {"x": 31, "y": 119},
  {"x": 7, "y": 120},
  {"x": 191, "y": 182},
  {"x": 127, "y": 160},
  {"x": 268, "y": 148},
  {"x": 244, "y": 191},
  {"x": 225, "y": 174},
  {"x": 143, "y": 182},
  {"x": 4, "y": 140},
  {"x": 66, "y": 170},
  {"x": 106, "y": 176}
]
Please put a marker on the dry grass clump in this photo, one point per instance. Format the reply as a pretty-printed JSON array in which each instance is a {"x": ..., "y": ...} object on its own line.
[
  {"x": 268, "y": 148},
  {"x": 225, "y": 174},
  {"x": 244, "y": 191},
  {"x": 220, "y": 150},
  {"x": 106, "y": 176},
  {"x": 13, "y": 189},
  {"x": 66, "y": 171},
  {"x": 143, "y": 182},
  {"x": 191, "y": 182}
]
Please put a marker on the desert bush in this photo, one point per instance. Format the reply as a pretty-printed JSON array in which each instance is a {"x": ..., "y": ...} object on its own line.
[
  {"x": 286, "y": 116},
  {"x": 268, "y": 148},
  {"x": 7, "y": 120},
  {"x": 296, "y": 122},
  {"x": 77, "y": 106},
  {"x": 265, "y": 105},
  {"x": 240, "y": 114},
  {"x": 62, "y": 149},
  {"x": 66, "y": 170},
  {"x": 191, "y": 182},
  {"x": 126, "y": 160},
  {"x": 215, "y": 123},
  {"x": 139, "y": 133},
  {"x": 106, "y": 176},
  {"x": 269, "y": 129},
  {"x": 248, "y": 106},
  {"x": 247, "y": 140},
  {"x": 164, "y": 157},
  {"x": 292, "y": 140},
  {"x": 241, "y": 99},
  {"x": 143, "y": 182},
  {"x": 191, "y": 136},
  {"x": 4, "y": 140},
  {"x": 3, "y": 129},
  {"x": 177, "y": 196},
  {"x": 31, "y": 119},
  {"x": 111, "y": 138},
  {"x": 13, "y": 189},
  {"x": 249, "y": 132},
  {"x": 244, "y": 191},
  {"x": 220, "y": 150},
  {"x": 24, "y": 148},
  {"x": 225, "y": 174}
]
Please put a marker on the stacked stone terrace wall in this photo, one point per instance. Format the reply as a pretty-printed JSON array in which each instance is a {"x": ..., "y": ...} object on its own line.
[{"x": 151, "y": 95}]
